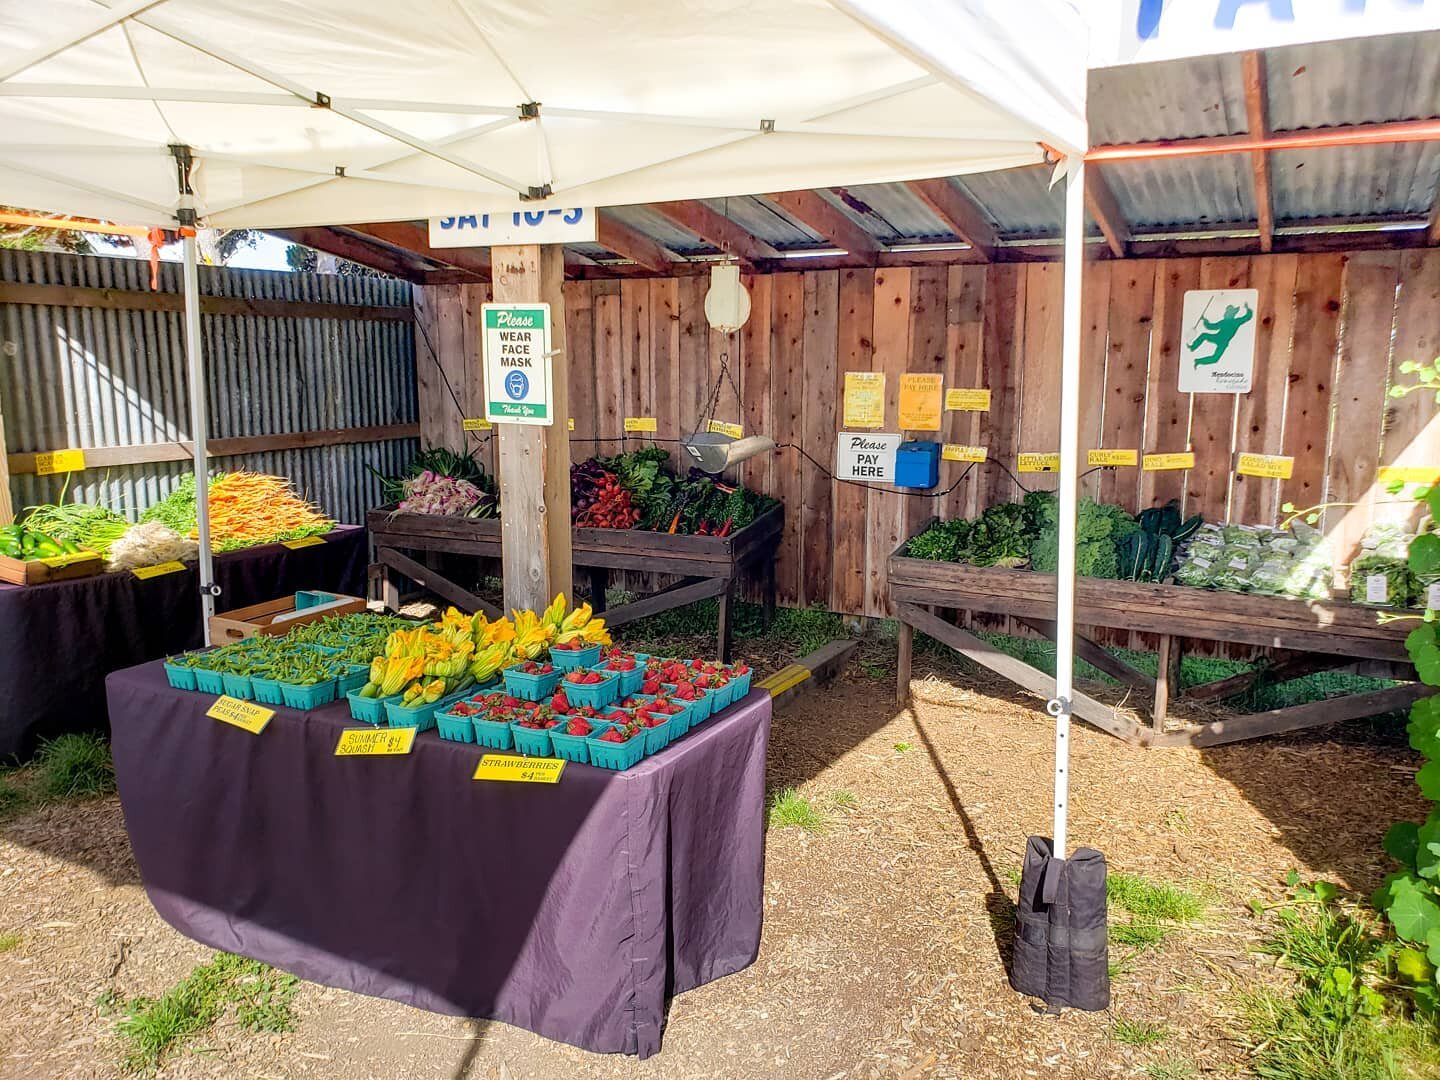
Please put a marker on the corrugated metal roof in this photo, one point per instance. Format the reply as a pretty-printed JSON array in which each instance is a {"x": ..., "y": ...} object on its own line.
[
  {"x": 767, "y": 221},
  {"x": 902, "y": 215},
  {"x": 1019, "y": 201},
  {"x": 1362, "y": 80},
  {"x": 1181, "y": 99},
  {"x": 1194, "y": 191},
  {"x": 1354, "y": 181},
  {"x": 660, "y": 228}
]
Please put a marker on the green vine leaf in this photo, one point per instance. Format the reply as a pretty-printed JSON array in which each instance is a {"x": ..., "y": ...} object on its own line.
[
  {"x": 1409, "y": 904},
  {"x": 1425, "y": 553},
  {"x": 1413, "y": 966},
  {"x": 1429, "y": 780},
  {"x": 1427, "y": 663},
  {"x": 1401, "y": 842}
]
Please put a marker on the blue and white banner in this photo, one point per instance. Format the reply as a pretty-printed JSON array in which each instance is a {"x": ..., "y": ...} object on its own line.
[{"x": 563, "y": 225}]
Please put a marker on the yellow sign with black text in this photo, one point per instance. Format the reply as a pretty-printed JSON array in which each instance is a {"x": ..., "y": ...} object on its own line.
[
  {"x": 920, "y": 398},
  {"x": 1408, "y": 474},
  {"x": 1271, "y": 466},
  {"x": 719, "y": 427},
  {"x": 1039, "y": 462},
  {"x": 864, "y": 405},
  {"x": 956, "y": 452},
  {"x": 1112, "y": 457},
  {"x": 363, "y": 742},
  {"x": 158, "y": 569},
  {"x": 525, "y": 770},
  {"x": 640, "y": 423},
  {"x": 476, "y": 423},
  {"x": 242, "y": 714},
  {"x": 1163, "y": 462},
  {"x": 967, "y": 399},
  {"x": 66, "y": 560},
  {"x": 304, "y": 542},
  {"x": 58, "y": 461}
]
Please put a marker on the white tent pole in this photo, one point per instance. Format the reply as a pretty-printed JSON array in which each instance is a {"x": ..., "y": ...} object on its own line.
[
  {"x": 195, "y": 363},
  {"x": 1069, "y": 471}
]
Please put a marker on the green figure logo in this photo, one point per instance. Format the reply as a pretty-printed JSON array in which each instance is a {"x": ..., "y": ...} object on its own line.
[{"x": 1219, "y": 334}]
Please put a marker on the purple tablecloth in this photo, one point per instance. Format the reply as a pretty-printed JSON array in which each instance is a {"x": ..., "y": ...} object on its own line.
[
  {"x": 575, "y": 910},
  {"x": 59, "y": 641}
]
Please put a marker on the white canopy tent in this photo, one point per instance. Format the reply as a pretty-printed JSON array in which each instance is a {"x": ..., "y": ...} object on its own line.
[{"x": 282, "y": 113}]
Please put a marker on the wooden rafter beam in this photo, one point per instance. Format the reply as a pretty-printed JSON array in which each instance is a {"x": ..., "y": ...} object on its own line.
[
  {"x": 415, "y": 239},
  {"x": 1432, "y": 231},
  {"x": 717, "y": 229},
  {"x": 812, "y": 211},
  {"x": 1104, "y": 208},
  {"x": 615, "y": 235},
  {"x": 1399, "y": 131},
  {"x": 356, "y": 249},
  {"x": 1257, "y": 112},
  {"x": 959, "y": 213}
]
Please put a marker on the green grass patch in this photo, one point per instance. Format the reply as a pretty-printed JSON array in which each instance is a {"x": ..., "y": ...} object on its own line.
[
  {"x": 791, "y": 809},
  {"x": 1138, "y": 1032},
  {"x": 1173, "y": 1069},
  {"x": 75, "y": 766},
  {"x": 1138, "y": 934},
  {"x": 1153, "y": 899},
  {"x": 13, "y": 798},
  {"x": 259, "y": 995},
  {"x": 904, "y": 747},
  {"x": 800, "y": 630},
  {"x": 844, "y": 798},
  {"x": 9, "y": 942}
]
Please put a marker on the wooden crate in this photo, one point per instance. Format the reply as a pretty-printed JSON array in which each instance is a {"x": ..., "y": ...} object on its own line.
[
  {"x": 260, "y": 618},
  {"x": 38, "y": 571}
]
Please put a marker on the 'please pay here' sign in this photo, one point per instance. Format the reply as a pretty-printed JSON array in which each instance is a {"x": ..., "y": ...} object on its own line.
[{"x": 866, "y": 455}]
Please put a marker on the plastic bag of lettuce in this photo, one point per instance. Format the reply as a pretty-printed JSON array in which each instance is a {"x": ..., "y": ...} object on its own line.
[
  {"x": 1257, "y": 558},
  {"x": 1380, "y": 575}
]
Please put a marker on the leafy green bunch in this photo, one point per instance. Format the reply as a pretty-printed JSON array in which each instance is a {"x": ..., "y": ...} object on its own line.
[{"x": 1099, "y": 530}]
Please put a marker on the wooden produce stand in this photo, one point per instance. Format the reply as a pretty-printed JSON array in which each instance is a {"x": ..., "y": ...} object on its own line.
[
  {"x": 706, "y": 565},
  {"x": 1311, "y": 636}
]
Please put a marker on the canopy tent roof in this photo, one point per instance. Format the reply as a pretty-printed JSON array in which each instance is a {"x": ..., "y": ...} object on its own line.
[{"x": 341, "y": 111}]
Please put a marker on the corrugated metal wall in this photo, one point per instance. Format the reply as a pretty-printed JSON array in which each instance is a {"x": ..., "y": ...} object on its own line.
[{"x": 90, "y": 377}]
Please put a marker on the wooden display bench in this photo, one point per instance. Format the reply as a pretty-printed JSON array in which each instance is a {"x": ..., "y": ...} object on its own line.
[
  {"x": 707, "y": 566},
  {"x": 1309, "y": 636}
]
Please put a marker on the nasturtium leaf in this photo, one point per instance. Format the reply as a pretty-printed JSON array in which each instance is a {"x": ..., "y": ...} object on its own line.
[
  {"x": 1429, "y": 780},
  {"x": 1427, "y": 848},
  {"x": 1427, "y": 663},
  {"x": 1401, "y": 841},
  {"x": 1418, "y": 638},
  {"x": 1412, "y": 966},
  {"x": 1409, "y": 367},
  {"x": 1341, "y": 979},
  {"x": 1326, "y": 891},
  {"x": 1257, "y": 907},
  {"x": 1372, "y": 1002},
  {"x": 1292, "y": 878},
  {"x": 1424, "y": 737},
  {"x": 1432, "y": 498},
  {"x": 1409, "y": 905},
  {"x": 1432, "y": 947},
  {"x": 1425, "y": 553}
]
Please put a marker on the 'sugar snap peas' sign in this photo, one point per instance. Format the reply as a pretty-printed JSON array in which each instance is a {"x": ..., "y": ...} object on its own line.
[
  {"x": 866, "y": 455},
  {"x": 516, "y": 346}
]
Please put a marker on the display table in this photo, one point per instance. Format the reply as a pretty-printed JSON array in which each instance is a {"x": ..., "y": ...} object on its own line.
[
  {"x": 575, "y": 910},
  {"x": 61, "y": 639}
]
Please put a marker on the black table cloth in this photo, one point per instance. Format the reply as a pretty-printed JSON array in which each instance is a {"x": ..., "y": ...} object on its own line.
[
  {"x": 58, "y": 641},
  {"x": 575, "y": 910}
]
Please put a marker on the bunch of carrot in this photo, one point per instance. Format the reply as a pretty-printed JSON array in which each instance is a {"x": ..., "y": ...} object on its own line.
[{"x": 254, "y": 508}]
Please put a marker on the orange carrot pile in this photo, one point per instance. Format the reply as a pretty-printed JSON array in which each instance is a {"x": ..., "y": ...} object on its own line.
[{"x": 253, "y": 508}]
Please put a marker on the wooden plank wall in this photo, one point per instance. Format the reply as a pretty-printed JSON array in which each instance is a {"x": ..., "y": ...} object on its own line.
[{"x": 1332, "y": 332}]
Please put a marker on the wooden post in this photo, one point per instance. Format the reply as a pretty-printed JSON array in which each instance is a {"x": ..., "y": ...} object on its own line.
[
  {"x": 902, "y": 663},
  {"x": 1162, "y": 683},
  {"x": 599, "y": 582},
  {"x": 7, "y": 509},
  {"x": 533, "y": 463},
  {"x": 726, "y": 630}
]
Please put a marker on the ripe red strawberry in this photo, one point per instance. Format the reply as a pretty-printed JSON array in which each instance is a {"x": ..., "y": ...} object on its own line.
[
  {"x": 593, "y": 677},
  {"x": 578, "y": 727},
  {"x": 620, "y": 734},
  {"x": 509, "y": 702},
  {"x": 560, "y": 703},
  {"x": 651, "y": 719},
  {"x": 650, "y": 686},
  {"x": 686, "y": 691}
]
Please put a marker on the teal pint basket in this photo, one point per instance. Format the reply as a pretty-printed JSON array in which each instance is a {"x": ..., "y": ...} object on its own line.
[
  {"x": 630, "y": 681},
  {"x": 308, "y": 697},
  {"x": 368, "y": 710},
  {"x": 529, "y": 687},
  {"x": 569, "y": 660},
  {"x": 657, "y": 737},
  {"x": 702, "y": 707},
  {"x": 493, "y": 734},
  {"x": 574, "y": 747},
  {"x": 741, "y": 684},
  {"x": 455, "y": 728},
  {"x": 420, "y": 716},
  {"x": 724, "y": 695},
  {"x": 616, "y": 756},
  {"x": 597, "y": 695},
  {"x": 532, "y": 742},
  {"x": 209, "y": 682},
  {"x": 354, "y": 677},
  {"x": 238, "y": 686},
  {"x": 680, "y": 721},
  {"x": 267, "y": 691},
  {"x": 181, "y": 678}
]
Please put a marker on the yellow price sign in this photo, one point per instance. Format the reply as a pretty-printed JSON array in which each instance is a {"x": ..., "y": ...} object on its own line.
[
  {"x": 1162, "y": 462},
  {"x": 864, "y": 399},
  {"x": 787, "y": 678},
  {"x": 476, "y": 423},
  {"x": 144, "y": 573},
  {"x": 1273, "y": 466},
  {"x": 1112, "y": 457},
  {"x": 720, "y": 427},
  {"x": 304, "y": 542},
  {"x": 920, "y": 396},
  {"x": 364, "y": 742},
  {"x": 520, "y": 769},
  {"x": 956, "y": 452},
  {"x": 1408, "y": 474},
  {"x": 1039, "y": 462},
  {"x": 67, "y": 560},
  {"x": 58, "y": 461},
  {"x": 570, "y": 424},
  {"x": 640, "y": 423},
  {"x": 967, "y": 400},
  {"x": 242, "y": 714}
]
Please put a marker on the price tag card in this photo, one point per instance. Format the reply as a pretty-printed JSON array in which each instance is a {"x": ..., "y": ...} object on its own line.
[
  {"x": 1377, "y": 589},
  {"x": 66, "y": 560},
  {"x": 640, "y": 423},
  {"x": 1273, "y": 466},
  {"x": 1408, "y": 474},
  {"x": 304, "y": 541},
  {"x": 956, "y": 452},
  {"x": 1432, "y": 595},
  {"x": 522, "y": 769},
  {"x": 363, "y": 742},
  {"x": 719, "y": 427},
  {"x": 476, "y": 423},
  {"x": 58, "y": 461},
  {"x": 967, "y": 400},
  {"x": 1112, "y": 457},
  {"x": 1039, "y": 462},
  {"x": 243, "y": 714},
  {"x": 160, "y": 568},
  {"x": 1162, "y": 462},
  {"x": 570, "y": 424}
]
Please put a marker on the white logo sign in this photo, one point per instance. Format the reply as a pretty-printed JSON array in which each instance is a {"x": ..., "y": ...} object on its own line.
[
  {"x": 1217, "y": 341},
  {"x": 866, "y": 455},
  {"x": 563, "y": 225},
  {"x": 516, "y": 345}
]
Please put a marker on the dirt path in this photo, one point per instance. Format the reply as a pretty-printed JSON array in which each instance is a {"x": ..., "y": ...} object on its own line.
[{"x": 884, "y": 933}]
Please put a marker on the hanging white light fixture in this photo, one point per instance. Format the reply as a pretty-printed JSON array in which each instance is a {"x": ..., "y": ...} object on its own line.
[{"x": 727, "y": 304}]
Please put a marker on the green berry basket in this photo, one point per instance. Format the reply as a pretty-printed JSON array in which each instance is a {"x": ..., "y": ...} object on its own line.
[
  {"x": 570, "y": 659},
  {"x": 238, "y": 686},
  {"x": 493, "y": 734},
  {"x": 724, "y": 695},
  {"x": 616, "y": 756},
  {"x": 420, "y": 716},
  {"x": 575, "y": 747},
  {"x": 532, "y": 742},
  {"x": 267, "y": 691},
  {"x": 630, "y": 681},
  {"x": 181, "y": 677},
  {"x": 368, "y": 710},
  {"x": 455, "y": 728},
  {"x": 741, "y": 683},
  {"x": 596, "y": 695},
  {"x": 353, "y": 677},
  {"x": 209, "y": 682},
  {"x": 680, "y": 721},
  {"x": 529, "y": 687},
  {"x": 310, "y": 696},
  {"x": 658, "y": 737}
]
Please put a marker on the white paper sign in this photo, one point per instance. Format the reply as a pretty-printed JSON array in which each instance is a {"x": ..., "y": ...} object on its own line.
[
  {"x": 1432, "y": 595},
  {"x": 563, "y": 225},
  {"x": 515, "y": 341},
  {"x": 1377, "y": 589},
  {"x": 866, "y": 455},
  {"x": 1217, "y": 341}
]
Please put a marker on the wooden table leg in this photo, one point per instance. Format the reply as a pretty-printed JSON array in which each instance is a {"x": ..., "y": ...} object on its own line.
[
  {"x": 389, "y": 589},
  {"x": 727, "y": 621},
  {"x": 768, "y": 598},
  {"x": 902, "y": 663},
  {"x": 1163, "y": 675},
  {"x": 599, "y": 582}
]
